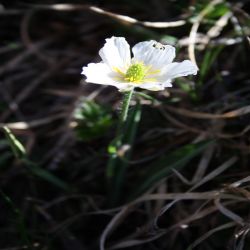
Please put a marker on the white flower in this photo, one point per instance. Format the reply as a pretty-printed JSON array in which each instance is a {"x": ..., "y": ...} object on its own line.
[{"x": 150, "y": 68}]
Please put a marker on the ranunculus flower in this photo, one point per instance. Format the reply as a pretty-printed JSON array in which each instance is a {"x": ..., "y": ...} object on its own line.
[{"x": 151, "y": 68}]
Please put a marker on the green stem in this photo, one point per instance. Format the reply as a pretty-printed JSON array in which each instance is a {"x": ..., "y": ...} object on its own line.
[
  {"x": 125, "y": 106},
  {"x": 112, "y": 171}
]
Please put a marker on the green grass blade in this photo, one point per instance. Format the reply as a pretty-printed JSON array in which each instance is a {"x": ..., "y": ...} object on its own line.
[
  {"x": 16, "y": 146},
  {"x": 46, "y": 175},
  {"x": 209, "y": 58},
  {"x": 128, "y": 138},
  {"x": 163, "y": 167},
  {"x": 20, "y": 153},
  {"x": 21, "y": 227},
  {"x": 120, "y": 164}
]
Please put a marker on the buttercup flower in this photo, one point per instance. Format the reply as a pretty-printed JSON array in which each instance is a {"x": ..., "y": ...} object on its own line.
[{"x": 151, "y": 67}]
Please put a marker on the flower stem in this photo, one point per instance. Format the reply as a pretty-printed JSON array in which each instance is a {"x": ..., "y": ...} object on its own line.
[
  {"x": 114, "y": 168},
  {"x": 125, "y": 106}
]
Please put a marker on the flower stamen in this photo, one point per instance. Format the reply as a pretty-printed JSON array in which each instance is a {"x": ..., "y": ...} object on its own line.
[{"x": 135, "y": 73}]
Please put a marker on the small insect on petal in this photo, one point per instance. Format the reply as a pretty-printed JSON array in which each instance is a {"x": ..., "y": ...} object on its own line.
[{"x": 159, "y": 46}]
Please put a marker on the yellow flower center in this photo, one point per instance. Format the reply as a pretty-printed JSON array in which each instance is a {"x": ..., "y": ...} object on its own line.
[{"x": 135, "y": 73}]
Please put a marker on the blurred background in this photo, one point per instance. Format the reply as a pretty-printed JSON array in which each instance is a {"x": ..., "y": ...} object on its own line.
[{"x": 185, "y": 173}]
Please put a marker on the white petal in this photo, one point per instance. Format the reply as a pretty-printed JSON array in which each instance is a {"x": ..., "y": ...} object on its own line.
[
  {"x": 167, "y": 84},
  {"x": 174, "y": 70},
  {"x": 116, "y": 53},
  {"x": 153, "y": 54},
  {"x": 150, "y": 86},
  {"x": 100, "y": 73}
]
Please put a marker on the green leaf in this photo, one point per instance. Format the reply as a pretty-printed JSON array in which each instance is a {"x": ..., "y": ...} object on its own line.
[
  {"x": 163, "y": 167},
  {"x": 218, "y": 11},
  {"x": 93, "y": 120}
]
